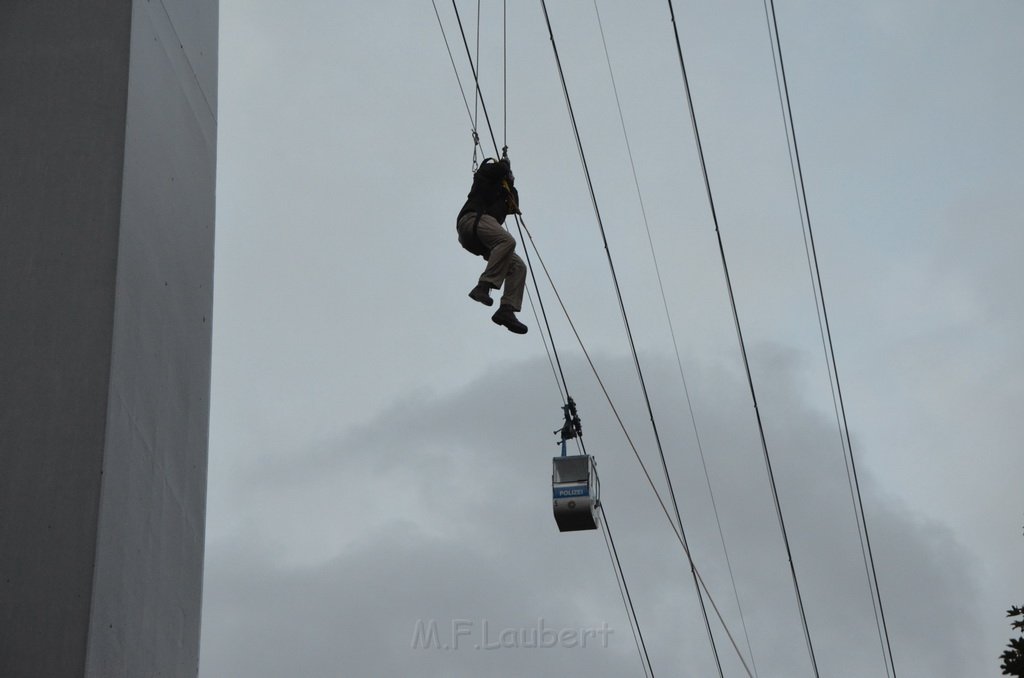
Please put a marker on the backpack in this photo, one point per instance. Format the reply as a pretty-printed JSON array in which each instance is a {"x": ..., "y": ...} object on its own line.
[{"x": 481, "y": 194}]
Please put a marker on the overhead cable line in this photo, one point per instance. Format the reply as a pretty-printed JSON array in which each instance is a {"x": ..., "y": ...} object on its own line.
[
  {"x": 672, "y": 332},
  {"x": 742, "y": 343},
  {"x": 533, "y": 307},
  {"x": 462, "y": 90},
  {"x": 796, "y": 168},
  {"x": 636, "y": 453},
  {"x": 504, "y": 70},
  {"x": 556, "y": 366},
  {"x": 561, "y": 385},
  {"x": 521, "y": 225},
  {"x": 607, "y": 395},
  {"x": 629, "y": 332},
  {"x": 629, "y": 440},
  {"x": 627, "y": 599},
  {"x": 476, "y": 75},
  {"x": 476, "y": 98}
]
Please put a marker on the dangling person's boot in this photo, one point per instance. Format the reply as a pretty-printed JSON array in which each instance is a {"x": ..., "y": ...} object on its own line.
[
  {"x": 506, "y": 316},
  {"x": 482, "y": 293}
]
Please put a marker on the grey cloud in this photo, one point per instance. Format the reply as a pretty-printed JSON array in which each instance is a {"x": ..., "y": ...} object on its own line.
[{"x": 439, "y": 509}]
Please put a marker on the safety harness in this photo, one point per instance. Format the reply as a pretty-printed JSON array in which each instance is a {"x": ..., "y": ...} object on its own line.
[{"x": 471, "y": 241}]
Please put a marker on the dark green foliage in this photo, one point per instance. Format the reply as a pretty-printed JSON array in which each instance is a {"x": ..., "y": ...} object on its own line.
[{"x": 1013, "y": 658}]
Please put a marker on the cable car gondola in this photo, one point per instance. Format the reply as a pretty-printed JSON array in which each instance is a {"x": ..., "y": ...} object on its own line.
[
  {"x": 575, "y": 487},
  {"x": 576, "y": 492}
]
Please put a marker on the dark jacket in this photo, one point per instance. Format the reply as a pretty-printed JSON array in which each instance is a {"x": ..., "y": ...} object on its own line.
[{"x": 488, "y": 194}]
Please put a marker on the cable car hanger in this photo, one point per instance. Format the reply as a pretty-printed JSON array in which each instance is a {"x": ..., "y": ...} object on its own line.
[{"x": 572, "y": 428}]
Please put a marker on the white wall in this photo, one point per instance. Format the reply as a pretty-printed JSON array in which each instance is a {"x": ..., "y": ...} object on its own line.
[{"x": 106, "y": 294}]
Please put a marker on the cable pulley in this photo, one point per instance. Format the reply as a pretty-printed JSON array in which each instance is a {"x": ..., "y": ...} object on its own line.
[{"x": 571, "y": 428}]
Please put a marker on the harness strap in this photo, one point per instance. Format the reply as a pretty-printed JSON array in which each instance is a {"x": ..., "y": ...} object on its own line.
[{"x": 470, "y": 241}]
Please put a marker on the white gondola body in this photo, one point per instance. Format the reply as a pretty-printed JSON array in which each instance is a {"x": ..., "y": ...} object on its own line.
[{"x": 575, "y": 493}]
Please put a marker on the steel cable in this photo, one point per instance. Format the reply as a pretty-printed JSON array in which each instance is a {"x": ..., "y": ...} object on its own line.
[
  {"x": 629, "y": 332},
  {"x": 796, "y": 168},
  {"x": 742, "y": 345}
]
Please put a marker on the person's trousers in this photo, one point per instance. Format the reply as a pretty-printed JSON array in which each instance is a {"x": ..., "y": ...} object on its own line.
[{"x": 504, "y": 267}]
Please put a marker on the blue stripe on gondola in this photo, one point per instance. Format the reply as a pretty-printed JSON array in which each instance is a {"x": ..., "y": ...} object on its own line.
[{"x": 566, "y": 492}]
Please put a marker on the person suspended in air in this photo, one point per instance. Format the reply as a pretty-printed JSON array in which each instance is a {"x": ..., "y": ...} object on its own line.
[{"x": 479, "y": 225}]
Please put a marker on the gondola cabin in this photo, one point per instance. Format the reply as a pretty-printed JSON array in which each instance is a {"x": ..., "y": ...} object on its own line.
[{"x": 576, "y": 492}]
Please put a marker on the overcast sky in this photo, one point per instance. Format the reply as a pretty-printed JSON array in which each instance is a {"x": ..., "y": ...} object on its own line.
[{"x": 380, "y": 451}]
